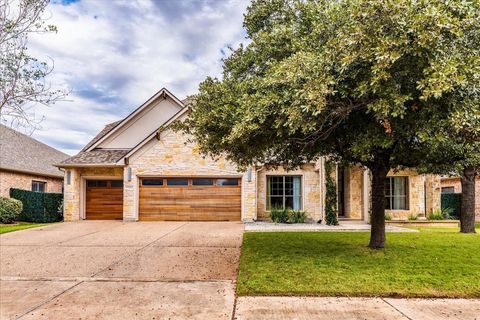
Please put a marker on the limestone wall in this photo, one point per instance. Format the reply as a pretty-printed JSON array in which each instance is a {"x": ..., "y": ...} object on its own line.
[{"x": 74, "y": 192}]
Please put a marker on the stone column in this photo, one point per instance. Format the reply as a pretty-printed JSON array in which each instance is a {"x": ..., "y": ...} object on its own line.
[
  {"x": 72, "y": 195},
  {"x": 249, "y": 194}
]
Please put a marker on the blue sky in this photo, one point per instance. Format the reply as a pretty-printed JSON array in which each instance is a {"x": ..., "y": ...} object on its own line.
[{"x": 113, "y": 55}]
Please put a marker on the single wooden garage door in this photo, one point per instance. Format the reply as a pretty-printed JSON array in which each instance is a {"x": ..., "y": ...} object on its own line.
[
  {"x": 192, "y": 199},
  {"x": 104, "y": 200}
]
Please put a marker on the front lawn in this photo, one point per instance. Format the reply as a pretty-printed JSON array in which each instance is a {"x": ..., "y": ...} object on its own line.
[
  {"x": 4, "y": 228},
  {"x": 433, "y": 263}
]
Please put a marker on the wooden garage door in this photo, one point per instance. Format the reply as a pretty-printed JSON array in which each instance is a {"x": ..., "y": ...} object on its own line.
[
  {"x": 195, "y": 199},
  {"x": 104, "y": 200}
]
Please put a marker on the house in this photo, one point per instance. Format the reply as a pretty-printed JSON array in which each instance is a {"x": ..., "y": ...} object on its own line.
[
  {"x": 28, "y": 164},
  {"x": 454, "y": 185},
  {"x": 138, "y": 168}
]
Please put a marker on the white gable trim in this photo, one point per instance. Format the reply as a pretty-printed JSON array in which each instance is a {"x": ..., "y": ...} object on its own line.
[
  {"x": 162, "y": 93},
  {"x": 153, "y": 135}
]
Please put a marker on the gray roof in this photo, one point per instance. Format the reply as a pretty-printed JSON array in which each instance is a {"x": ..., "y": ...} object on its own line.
[
  {"x": 97, "y": 156},
  {"x": 104, "y": 131},
  {"x": 19, "y": 152}
]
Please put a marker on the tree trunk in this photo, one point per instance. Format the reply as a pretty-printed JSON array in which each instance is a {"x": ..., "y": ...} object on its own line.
[
  {"x": 377, "y": 220},
  {"x": 467, "y": 215}
]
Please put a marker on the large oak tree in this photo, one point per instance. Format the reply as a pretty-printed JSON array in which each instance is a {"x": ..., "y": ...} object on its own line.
[{"x": 353, "y": 80}]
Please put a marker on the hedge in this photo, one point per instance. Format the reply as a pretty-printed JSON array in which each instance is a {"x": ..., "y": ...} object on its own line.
[
  {"x": 39, "y": 206},
  {"x": 9, "y": 210},
  {"x": 452, "y": 200}
]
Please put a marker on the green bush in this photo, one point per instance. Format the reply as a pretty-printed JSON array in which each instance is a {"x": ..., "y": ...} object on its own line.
[
  {"x": 388, "y": 217},
  {"x": 279, "y": 215},
  {"x": 436, "y": 215},
  {"x": 39, "y": 206},
  {"x": 452, "y": 201},
  {"x": 9, "y": 210},
  {"x": 297, "y": 216},
  {"x": 412, "y": 217}
]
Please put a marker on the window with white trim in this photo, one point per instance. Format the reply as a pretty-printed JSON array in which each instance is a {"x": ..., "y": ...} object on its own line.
[{"x": 396, "y": 193}]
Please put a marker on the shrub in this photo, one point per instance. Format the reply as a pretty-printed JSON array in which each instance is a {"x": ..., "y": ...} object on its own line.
[
  {"x": 9, "y": 210},
  {"x": 412, "y": 217},
  {"x": 436, "y": 215},
  {"x": 388, "y": 216},
  {"x": 297, "y": 216},
  {"x": 279, "y": 215},
  {"x": 330, "y": 196},
  {"x": 38, "y": 206}
]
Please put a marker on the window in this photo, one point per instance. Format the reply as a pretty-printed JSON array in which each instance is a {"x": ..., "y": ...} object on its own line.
[
  {"x": 227, "y": 182},
  {"x": 38, "y": 186},
  {"x": 284, "y": 192},
  {"x": 116, "y": 183},
  {"x": 448, "y": 190},
  {"x": 202, "y": 182},
  {"x": 152, "y": 182},
  {"x": 97, "y": 183},
  {"x": 396, "y": 193},
  {"x": 177, "y": 182}
]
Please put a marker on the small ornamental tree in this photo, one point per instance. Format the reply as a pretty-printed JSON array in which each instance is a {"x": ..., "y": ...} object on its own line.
[
  {"x": 352, "y": 80},
  {"x": 452, "y": 147},
  {"x": 330, "y": 196}
]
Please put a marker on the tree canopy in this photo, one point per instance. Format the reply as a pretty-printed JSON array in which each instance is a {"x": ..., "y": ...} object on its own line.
[{"x": 356, "y": 80}]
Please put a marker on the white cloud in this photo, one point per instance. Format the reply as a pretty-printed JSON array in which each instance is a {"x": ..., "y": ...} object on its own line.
[{"x": 115, "y": 55}]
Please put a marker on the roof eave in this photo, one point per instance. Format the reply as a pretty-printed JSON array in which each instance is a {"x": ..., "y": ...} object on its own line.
[
  {"x": 37, "y": 173},
  {"x": 162, "y": 92},
  {"x": 90, "y": 165}
]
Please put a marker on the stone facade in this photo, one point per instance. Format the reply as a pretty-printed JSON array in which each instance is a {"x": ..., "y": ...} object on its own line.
[
  {"x": 11, "y": 179},
  {"x": 74, "y": 191},
  {"x": 457, "y": 185},
  {"x": 172, "y": 155},
  {"x": 310, "y": 190},
  {"x": 353, "y": 183}
]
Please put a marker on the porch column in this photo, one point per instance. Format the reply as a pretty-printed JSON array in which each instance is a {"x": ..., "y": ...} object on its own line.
[
  {"x": 366, "y": 195},
  {"x": 322, "y": 189}
]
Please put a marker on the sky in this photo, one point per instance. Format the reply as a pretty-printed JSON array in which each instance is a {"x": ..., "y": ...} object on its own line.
[{"x": 114, "y": 55}]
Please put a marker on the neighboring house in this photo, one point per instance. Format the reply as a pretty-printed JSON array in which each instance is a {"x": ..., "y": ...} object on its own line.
[
  {"x": 28, "y": 164},
  {"x": 140, "y": 169},
  {"x": 454, "y": 185}
]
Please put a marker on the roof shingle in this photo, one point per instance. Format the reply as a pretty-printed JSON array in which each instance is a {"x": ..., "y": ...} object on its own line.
[{"x": 19, "y": 152}]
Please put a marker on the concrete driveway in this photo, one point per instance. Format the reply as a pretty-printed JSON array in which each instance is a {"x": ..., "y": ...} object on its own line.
[{"x": 116, "y": 270}]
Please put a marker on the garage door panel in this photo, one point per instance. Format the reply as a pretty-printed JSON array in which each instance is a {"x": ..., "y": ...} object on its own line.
[
  {"x": 204, "y": 203},
  {"x": 104, "y": 203}
]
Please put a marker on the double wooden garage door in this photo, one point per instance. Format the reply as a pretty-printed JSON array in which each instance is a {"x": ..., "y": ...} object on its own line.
[{"x": 192, "y": 199}]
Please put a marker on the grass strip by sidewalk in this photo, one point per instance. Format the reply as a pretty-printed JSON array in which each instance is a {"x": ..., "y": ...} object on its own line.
[
  {"x": 436, "y": 262},
  {"x": 4, "y": 228}
]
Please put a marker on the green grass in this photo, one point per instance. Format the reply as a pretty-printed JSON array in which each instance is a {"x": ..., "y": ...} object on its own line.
[
  {"x": 436, "y": 262},
  {"x": 4, "y": 228}
]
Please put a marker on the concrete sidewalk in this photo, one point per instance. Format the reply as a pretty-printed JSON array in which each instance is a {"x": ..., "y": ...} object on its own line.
[{"x": 328, "y": 308}]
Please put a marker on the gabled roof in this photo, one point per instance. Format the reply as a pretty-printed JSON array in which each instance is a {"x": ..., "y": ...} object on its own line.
[
  {"x": 21, "y": 153},
  {"x": 92, "y": 156},
  {"x": 163, "y": 92}
]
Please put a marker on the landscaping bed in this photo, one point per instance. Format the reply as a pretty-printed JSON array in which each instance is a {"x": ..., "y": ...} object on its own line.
[
  {"x": 435, "y": 262},
  {"x": 424, "y": 223}
]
